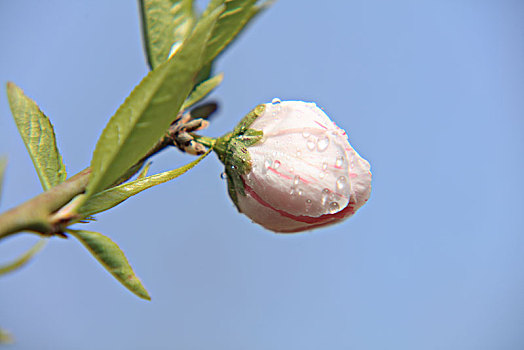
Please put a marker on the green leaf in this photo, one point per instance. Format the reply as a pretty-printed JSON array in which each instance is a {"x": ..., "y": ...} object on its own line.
[
  {"x": 148, "y": 111},
  {"x": 3, "y": 164},
  {"x": 164, "y": 23},
  {"x": 202, "y": 90},
  {"x": 22, "y": 259},
  {"x": 5, "y": 337},
  {"x": 231, "y": 22},
  {"x": 109, "y": 198},
  {"x": 39, "y": 137},
  {"x": 112, "y": 258}
]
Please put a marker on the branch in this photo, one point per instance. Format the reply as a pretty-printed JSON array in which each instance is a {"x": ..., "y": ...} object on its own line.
[{"x": 38, "y": 215}]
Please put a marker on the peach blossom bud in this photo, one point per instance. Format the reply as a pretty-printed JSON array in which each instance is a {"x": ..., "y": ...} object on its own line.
[{"x": 302, "y": 173}]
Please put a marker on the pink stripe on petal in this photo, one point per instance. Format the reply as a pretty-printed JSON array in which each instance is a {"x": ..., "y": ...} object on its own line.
[{"x": 301, "y": 218}]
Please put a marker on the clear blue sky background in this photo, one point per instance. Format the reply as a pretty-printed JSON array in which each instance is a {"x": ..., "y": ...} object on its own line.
[{"x": 431, "y": 92}]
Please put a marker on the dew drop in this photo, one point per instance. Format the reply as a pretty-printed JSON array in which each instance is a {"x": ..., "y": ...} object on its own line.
[
  {"x": 223, "y": 175},
  {"x": 300, "y": 192},
  {"x": 311, "y": 143},
  {"x": 309, "y": 203},
  {"x": 296, "y": 180},
  {"x": 339, "y": 162},
  {"x": 324, "y": 166},
  {"x": 322, "y": 175},
  {"x": 322, "y": 143},
  {"x": 334, "y": 207},
  {"x": 299, "y": 153},
  {"x": 275, "y": 101},
  {"x": 267, "y": 163},
  {"x": 306, "y": 134},
  {"x": 341, "y": 183},
  {"x": 292, "y": 169},
  {"x": 324, "y": 197},
  {"x": 276, "y": 164}
]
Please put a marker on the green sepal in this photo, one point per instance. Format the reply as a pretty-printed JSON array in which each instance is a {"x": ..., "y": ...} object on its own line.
[
  {"x": 233, "y": 184},
  {"x": 251, "y": 136},
  {"x": 246, "y": 122}
]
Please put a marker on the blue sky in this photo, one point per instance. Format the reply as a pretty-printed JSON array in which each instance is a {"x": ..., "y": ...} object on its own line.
[{"x": 430, "y": 92}]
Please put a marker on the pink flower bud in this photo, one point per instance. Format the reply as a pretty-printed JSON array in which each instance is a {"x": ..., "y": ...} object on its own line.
[{"x": 303, "y": 172}]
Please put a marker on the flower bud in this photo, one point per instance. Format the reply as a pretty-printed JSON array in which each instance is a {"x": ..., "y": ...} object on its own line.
[{"x": 290, "y": 168}]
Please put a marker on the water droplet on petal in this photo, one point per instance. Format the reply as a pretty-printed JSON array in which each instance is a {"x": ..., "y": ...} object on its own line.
[
  {"x": 275, "y": 101},
  {"x": 276, "y": 164},
  {"x": 324, "y": 166},
  {"x": 339, "y": 162},
  {"x": 341, "y": 183},
  {"x": 292, "y": 169},
  {"x": 311, "y": 143},
  {"x": 296, "y": 180},
  {"x": 309, "y": 203},
  {"x": 299, "y": 153},
  {"x": 323, "y": 143},
  {"x": 324, "y": 197},
  {"x": 223, "y": 175},
  {"x": 267, "y": 163},
  {"x": 334, "y": 207},
  {"x": 322, "y": 174},
  {"x": 306, "y": 134},
  {"x": 300, "y": 192}
]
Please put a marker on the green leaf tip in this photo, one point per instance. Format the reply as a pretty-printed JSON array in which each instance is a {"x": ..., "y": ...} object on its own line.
[
  {"x": 112, "y": 258},
  {"x": 231, "y": 22},
  {"x": 38, "y": 136},
  {"x": 202, "y": 90},
  {"x": 165, "y": 23},
  {"x": 23, "y": 259}
]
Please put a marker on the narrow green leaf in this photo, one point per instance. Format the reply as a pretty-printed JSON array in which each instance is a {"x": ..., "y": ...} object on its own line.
[
  {"x": 22, "y": 259},
  {"x": 148, "y": 111},
  {"x": 202, "y": 90},
  {"x": 143, "y": 172},
  {"x": 164, "y": 23},
  {"x": 107, "y": 199},
  {"x": 231, "y": 21},
  {"x": 3, "y": 164},
  {"x": 112, "y": 258},
  {"x": 39, "y": 137}
]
